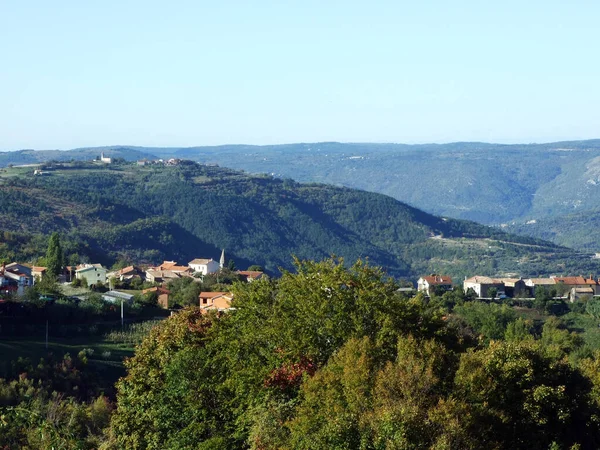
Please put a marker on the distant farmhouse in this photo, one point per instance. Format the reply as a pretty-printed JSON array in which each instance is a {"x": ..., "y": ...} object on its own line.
[{"x": 432, "y": 283}]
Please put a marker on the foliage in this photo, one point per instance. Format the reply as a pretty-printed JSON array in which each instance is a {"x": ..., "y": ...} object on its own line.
[
  {"x": 54, "y": 256},
  {"x": 490, "y": 320},
  {"x": 54, "y": 404},
  {"x": 328, "y": 356}
]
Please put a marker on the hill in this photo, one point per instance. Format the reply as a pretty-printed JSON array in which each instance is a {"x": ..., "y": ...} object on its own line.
[
  {"x": 26, "y": 157},
  {"x": 150, "y": 213},
  {"x": 578, "y": 230},
  {"x": 488, "y": 183}
]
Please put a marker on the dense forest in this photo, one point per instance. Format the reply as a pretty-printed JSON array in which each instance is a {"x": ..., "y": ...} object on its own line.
[
  {"x": 329, "y": 357},
  {"x": 494, "y": 184},
  {"x": 143, "y": 214}
]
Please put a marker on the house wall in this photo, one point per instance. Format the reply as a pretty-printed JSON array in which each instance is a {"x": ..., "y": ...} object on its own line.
[
  {"x": 92, "y": 275},
  {"x": 475, "y": 286},
  {"x": 204, "y": 269},
  {"x": 482, "y": 290},
  {"x": 163, "y": 300}
]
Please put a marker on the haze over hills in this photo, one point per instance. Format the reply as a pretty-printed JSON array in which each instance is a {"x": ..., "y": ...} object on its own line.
[
  {"x": 488, "y": 183},
  {"x": 150, "y": 213}
]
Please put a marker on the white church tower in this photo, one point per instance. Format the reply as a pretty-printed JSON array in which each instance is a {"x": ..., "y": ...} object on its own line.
[{"x": 222, "y": 260}]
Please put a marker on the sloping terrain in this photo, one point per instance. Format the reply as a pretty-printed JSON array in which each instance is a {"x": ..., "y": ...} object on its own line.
[
  {"x": 147, "y": 213},
  {"x": 489, "y": 183}
]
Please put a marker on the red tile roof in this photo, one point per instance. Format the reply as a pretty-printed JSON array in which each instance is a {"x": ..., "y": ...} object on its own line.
[
  {"x": 576, "y": 280},
  {"x": 438, "y": 279},
  {"x": 251, "y": 273}
]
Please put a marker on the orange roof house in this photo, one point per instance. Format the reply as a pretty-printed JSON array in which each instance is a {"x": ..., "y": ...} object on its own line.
[
  {"x": 163, "y": 295},
  {"x": 251, "y": 275},
  {"x": 425, "y": 284},
  {"x": 219, "y": 301}
]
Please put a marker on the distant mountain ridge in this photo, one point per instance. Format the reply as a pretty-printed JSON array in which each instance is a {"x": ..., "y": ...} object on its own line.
[{"x": 488, "y": 183}]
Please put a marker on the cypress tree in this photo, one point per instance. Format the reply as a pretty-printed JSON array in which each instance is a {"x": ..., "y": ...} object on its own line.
[{"x": 54, "y": 255}]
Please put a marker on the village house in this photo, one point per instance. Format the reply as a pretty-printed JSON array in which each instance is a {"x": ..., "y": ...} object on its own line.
[
  {"x": 219, "y": 301},
  {"x": 250, "y": 275},
  {"x": 15, "y": 277},
  {"x": 162, "y": 295},
  {"x": 91, "y": 273},
  {"x": 38, "y": 272},
  {"x": 482, "y": 285},
  {"x": 204, "y": 266},
  {"x": 162, "y": 276},
  {"x": 126, "y": 274},
  {"x": 173, "y": 267},
  {"x": 532, "y": 283},
  {"x": 167, "y": 271},
  {"x": 578, "y": 286},
  {"x": 578, "y": 282},
  {"x": 515, "y": 287},
  {"x": 433, "y": 282}
]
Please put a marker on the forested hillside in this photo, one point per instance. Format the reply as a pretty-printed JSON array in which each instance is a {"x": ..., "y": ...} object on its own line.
[
  {"x": 147, "y": 213},
  {"x": 487, "y": 183},
  {"x": 579, "y": 230}
]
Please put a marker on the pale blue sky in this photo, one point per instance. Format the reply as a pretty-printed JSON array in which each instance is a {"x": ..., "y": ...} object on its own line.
[{"x": 184, "y": 73}]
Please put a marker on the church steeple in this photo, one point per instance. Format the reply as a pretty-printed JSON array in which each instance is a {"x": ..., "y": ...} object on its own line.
[{"x": 222, "y": 260}]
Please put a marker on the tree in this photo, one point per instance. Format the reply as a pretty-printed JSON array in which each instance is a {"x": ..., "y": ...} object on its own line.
[
  {"x": 54, "y": 256},
  {"x": 256, "y": 268},
  {"x": 231, "y": 265},
  {"x": 490, "y": 320},
  {"x": 592, "y": 307},
  {"x": 170, "y": 397},
  {"x": 521, "y": 397}
]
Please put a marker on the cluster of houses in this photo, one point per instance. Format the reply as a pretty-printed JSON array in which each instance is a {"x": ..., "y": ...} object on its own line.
[
  {"x": 15, "y": 277},
  {"x": 162, "y": 274},
  {"x": 574, "y": 287},
  {"x": 162, "y": 162}
]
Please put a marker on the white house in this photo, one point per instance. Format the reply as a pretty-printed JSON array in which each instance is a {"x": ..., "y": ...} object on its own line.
[
  {"x": 428, "y": 283},
  {"x": 204, "y": 266},
  {"x": 105, "y": 159}
]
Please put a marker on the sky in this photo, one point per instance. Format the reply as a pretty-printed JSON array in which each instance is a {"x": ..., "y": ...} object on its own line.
[{"x": 188, "y": 73}]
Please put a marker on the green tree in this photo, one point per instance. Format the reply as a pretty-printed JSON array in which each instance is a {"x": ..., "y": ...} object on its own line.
[
  {"x": 170, "y": 397},
  {"x": 54, "y": 256},
  {"x": 523, "y": 398},
  {"x": 490, "y": 320},
  {"x": 518, "y": 330},
  {"x": 592, "y": 307}
]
